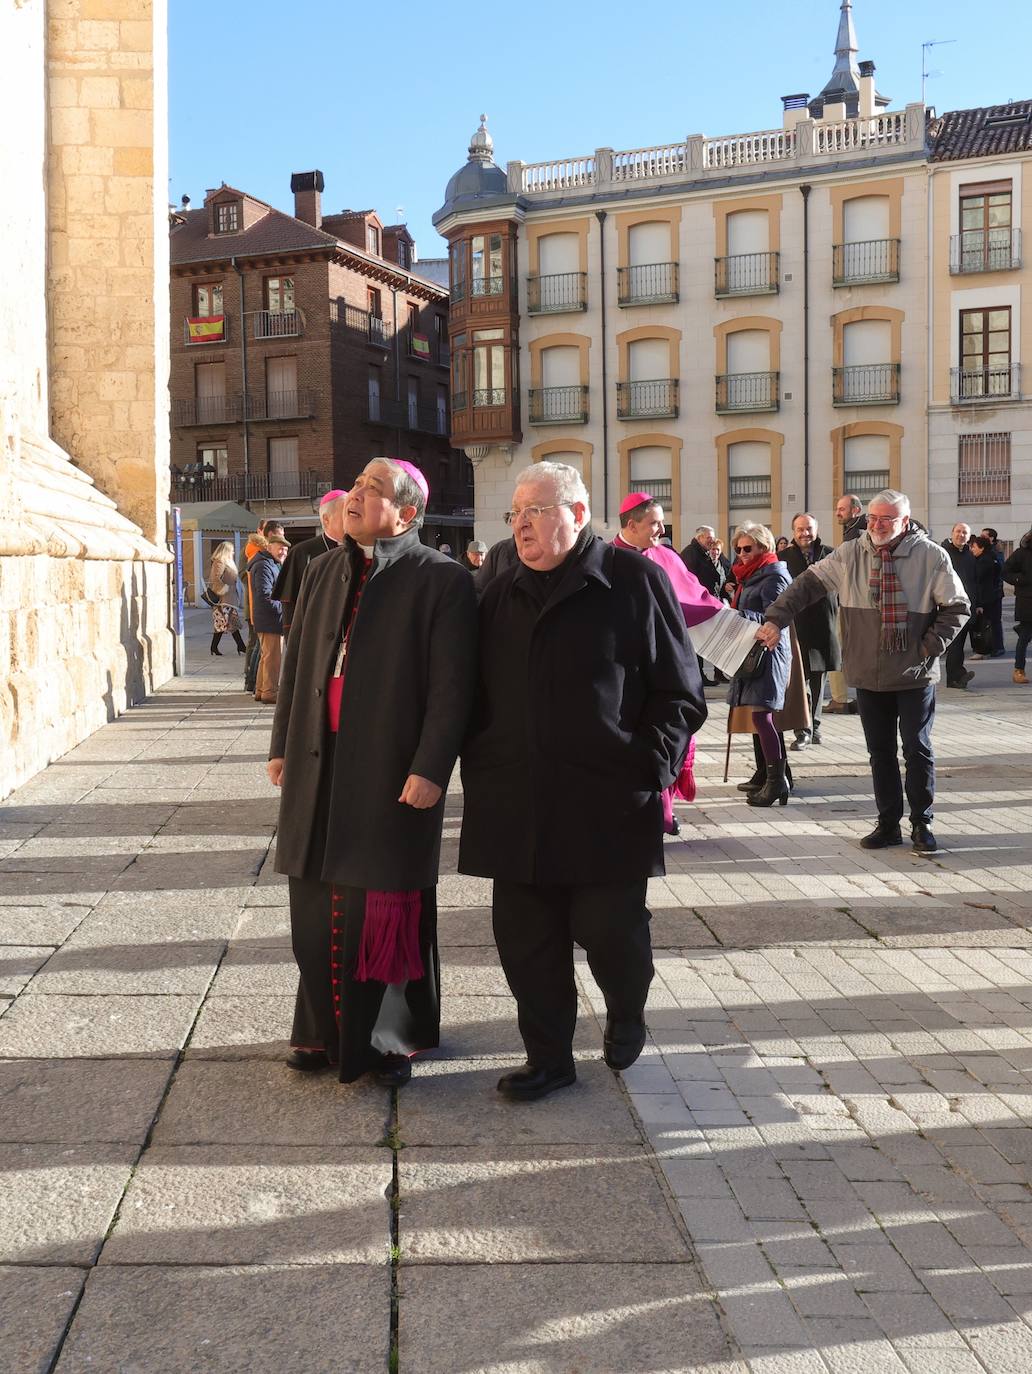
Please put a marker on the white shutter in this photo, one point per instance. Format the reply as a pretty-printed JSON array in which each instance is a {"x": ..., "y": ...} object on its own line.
[
  {"x": 747, "y": 232},
  {"x": 558, "y": 253},
  {"x": 283, "y": 469},
  {"x": 649, "y": 359},
  {"x": 210, "y": 392},
  {"x": 864, "y": 219},
  {"x": 560, "y": 366},
  {"x": 648, "y": 243},
  {"x": 281, "y": 386},
  {"x": 748, "y": 350},
  {"x": 748, "y": 472}
]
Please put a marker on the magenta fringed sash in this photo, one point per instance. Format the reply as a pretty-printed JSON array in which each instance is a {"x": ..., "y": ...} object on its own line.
[{"x": 389, "y": 952}]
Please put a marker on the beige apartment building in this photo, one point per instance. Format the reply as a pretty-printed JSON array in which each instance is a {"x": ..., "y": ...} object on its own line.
[{"x": 736, "y": 324}]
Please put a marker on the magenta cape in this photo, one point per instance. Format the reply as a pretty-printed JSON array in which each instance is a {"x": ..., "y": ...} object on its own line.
[{"x": 696, "y": 602}]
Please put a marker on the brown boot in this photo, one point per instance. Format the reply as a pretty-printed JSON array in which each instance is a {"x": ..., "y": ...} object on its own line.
[{"x": 1019, "y": 676}]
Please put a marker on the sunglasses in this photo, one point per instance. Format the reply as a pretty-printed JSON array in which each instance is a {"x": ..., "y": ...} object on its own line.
[{"x": 743, "y": 548}]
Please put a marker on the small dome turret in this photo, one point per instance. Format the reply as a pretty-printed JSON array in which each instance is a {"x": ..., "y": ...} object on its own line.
[{"x": 480, "y": 181}]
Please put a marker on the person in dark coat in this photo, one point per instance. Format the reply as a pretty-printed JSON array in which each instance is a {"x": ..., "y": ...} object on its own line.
[
  {"x": 697, "y": 560},
  {"x": 1017, "y": 571},
  {"x": 363, "y": 756},
  {"x": 999, "y": 648},
  {"x": 288, "y": 584},
  {"x": 760, "y": 578},
  {"x": 816, "y": 627},
  {"x": 499, "y": 558},
  {"x": 267, "y": 615},
  {"x": 987, "y": 602},
  {"x": 964, "y": 566},
  {"x": 588, "y": 697}
]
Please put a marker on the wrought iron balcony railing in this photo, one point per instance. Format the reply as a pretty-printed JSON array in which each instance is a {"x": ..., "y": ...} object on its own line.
[
  {"x": 747, "y": 274},
  {"x": 874, "y": 260},
  {"x": 207, "y": 410},
  {"x": 650, "y": 283},
  {"x": 748, "y": 493},
  {"x": 652, "y": 400},
  {"x": 557, "y": 292},
  {"x": 413, "y": 415},
  {"x": 866, "y": 384},
  {"x": 361, "y": 322},
  {"x": 488, "y": 396},
  {"x": 985, "y": 384},
  {"x": 985, "y": 250},
  {"x": 867, "y": 484},
  {"x": 487, "y": 286},
  {"x": 277, "y": 324},
  {"x": 256, "y": 487},
  {"x": 559, "y": 405},
  {"x": 738, "y": 391},
  {"x": 282, "y": 405}
]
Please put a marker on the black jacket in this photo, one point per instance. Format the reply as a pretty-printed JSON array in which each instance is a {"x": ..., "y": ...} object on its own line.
[
  {"x": 698, "y": 561},
  {"x": 498, "y": 559},
  {"x": 266, "y": 612},
  {"x": 588, "y": 696},
  {"x": 288, "y": 584},
  {"x": 964, "y": 566},
  {"x": 854, "y": 528},
  {"x": 988, "y": 580},
  {"x": 405, "y": 706},
  {"x": 816, "y": 626},
  {"x": 1017, "y": 571}
]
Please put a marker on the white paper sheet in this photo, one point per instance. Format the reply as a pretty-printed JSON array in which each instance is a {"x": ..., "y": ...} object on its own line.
[{"x": 724, "y": 639}]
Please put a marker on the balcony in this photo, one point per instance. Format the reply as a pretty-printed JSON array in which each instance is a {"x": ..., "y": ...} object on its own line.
[
  {"x": 557, "y": 293},
  {"x": 425, "y": 419},
  {"x": 207, "y": 410},
  {"x": 277, "y": 324},
  {"x": 867, "y": 384},
  {"x": 867, "y": 484},
  {"x": 745, "y": 391},
  {"x": 361, "y": 322},
  {"x": 559, "y": 405},
  {"x": 282, "y": 405},
  {"x": 485, "y": 397},
  {"x": 487, "y": 286},
  {"x": 871, "y": 261},
  {"x": 970, "y": 385},
  {"x": 256, "y": 487},
  {"x": 748, "y": 493},
  {"x": 205, "y": 329},
  {"x": 650, "y": 283},
  {"x": 993, "y": 250},
  {"x": 747, "y": 274},
  {"x": 653, "y": 400}
]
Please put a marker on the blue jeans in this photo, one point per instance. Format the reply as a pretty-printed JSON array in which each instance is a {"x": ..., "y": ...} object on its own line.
[
  {"x": 1024, "y": 632},
  {"x": 911, "y": 714}
]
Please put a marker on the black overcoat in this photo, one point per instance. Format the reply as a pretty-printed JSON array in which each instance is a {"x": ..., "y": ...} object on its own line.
[
  {"x": 698, "y": 561},
  {"x": 817, "y": 626},
  {"x": 295, "y": 565},
  {"x": 1018, "y": 572},
  {"x": 408, "y": 688},
  {"x": 584, "y": 712}
]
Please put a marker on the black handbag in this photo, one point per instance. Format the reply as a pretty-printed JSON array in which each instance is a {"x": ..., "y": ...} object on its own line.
[
  {"x": 754, "y": 665},
  {"x": 981, "y": 635},
  {"x": 209, "y": 597}
]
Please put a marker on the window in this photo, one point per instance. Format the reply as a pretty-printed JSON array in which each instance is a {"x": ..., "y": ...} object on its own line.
[
  {"x": 372, "y": 239},
  {"x": 457, "y": 271},
  {"x": 458, "y": 373},
  {"x": 207, "y": 300},
  {"x": 650, "y": 469},
  {"x": 985, "y": 227},
  {"x": 489, "y": 367},
  {"x": 983, "y": 469},
  {"x": 210, "y": 393},
  {"x": 374, "y": 395},
  {"x": 486, "y": 261},
  {"x": 442, "y": 410},
  {"x": 281, "y": 387},
  {"x": 227, "y": 217},
  {"x": 404, "y": 253},
  {"x": 214, "y": 460},
  {"x": 283, "y": 468},
  {"x": 985, "y": 352},
  {"x": 279, "y": 294},
  {"x": 749, "y": 481},
  {"x": 413, "y": 403},
  {"x": 373, "y": 303},
  {"x": 867, "y": 465},
  {"x": 413, "y": 317}
]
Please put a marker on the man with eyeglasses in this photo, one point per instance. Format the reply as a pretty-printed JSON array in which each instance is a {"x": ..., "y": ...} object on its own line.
[
  {"x": 902, "y": 605},
  {"x": 588, "y": 697}
]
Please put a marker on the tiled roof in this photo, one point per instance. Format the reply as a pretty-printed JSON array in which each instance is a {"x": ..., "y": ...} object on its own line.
[
  {"x": 991, "y": 130},
  {"x": 273, "y": 233}
]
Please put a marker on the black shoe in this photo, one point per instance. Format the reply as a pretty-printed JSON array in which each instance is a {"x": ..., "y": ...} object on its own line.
[
  {"x": 775, "y": 788},
  {"x": 216, "y": 653},
  {"x": 802, "y": 741},
  {"x": 880, "y": 838},
  {"x": 529, "y": 1083},
  {"x": 968, "y": 675},
  {"x": 307, "y": 1061},
  {"x": 392, "y": 1070},
  {"x": 815, "y": 737},
  {"x": 674, "y": 828},
  {"x": 623, "y": 1042},
  {"x": 959, "y": 683},
  {"x": 755, "y": 782},
  {"x": 922, "y": 839}
]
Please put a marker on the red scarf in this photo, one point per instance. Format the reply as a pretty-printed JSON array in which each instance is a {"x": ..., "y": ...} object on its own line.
[{"x": 743, "y": 568}]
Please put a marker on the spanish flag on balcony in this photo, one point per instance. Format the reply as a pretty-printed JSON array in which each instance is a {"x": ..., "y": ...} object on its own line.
[
  {"x": 421, "y": 346},
  {"x": 206, "y": 329}
]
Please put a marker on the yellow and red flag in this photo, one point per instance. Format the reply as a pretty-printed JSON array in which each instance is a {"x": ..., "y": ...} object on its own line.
[{"x": 206, "y": 328}]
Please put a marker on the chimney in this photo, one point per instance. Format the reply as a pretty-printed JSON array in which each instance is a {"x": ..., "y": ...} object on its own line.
[
  {"x": 795, "y": 108},
  {"x": 866, "y": 110},
  {"x": 308, "y": 188}
]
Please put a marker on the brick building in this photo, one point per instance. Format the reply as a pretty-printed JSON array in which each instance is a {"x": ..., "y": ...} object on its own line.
[{"x": 303, "y": 345}]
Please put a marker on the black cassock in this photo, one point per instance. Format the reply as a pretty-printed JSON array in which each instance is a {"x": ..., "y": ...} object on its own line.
[{"x": 288, "y": 583}]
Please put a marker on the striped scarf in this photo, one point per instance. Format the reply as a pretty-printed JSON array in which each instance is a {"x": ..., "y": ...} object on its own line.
[{"x": 887, "y": 594}]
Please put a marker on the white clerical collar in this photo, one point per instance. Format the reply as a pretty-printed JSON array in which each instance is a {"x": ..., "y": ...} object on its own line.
[{"x": 367, "y": 549}]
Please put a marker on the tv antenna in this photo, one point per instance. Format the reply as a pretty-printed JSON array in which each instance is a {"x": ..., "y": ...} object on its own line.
[{"x": 926, "y": 49}]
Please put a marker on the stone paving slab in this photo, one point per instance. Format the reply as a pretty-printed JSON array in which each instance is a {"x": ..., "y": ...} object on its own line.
[
  {"x": 79, "y": 1101},
  {"x": 39, "y": 925},
  {"x": 242, "y": 1028},
  {"x": 457, "y": 1104},
  {"x": 226, "y": 1205},
  {"x": 35, "y": 1304},
  {"x": 547, "y": 1319},
  {"x": 473, "y": 972},
  {"x": 456, "y": 929},
  {"x": 103, "y": 1026},
  {"x": 18, "y": 963},
  {"x": 130, "y": 918},
  {"x": 121, "y": 968},
  {"x": 479, "y": 1026},
  {"x": 262, "y": 1103},
  {"x": 253, "y": 968},
  {"x": 57, "y": 1201},
  {"x": 268, "y": 923},
  {"x": 155, "y": 1319},
  {"x": 558, "y": 1204}
]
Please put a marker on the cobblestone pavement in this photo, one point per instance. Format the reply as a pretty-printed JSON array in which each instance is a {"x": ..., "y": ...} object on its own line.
[{"x": 822, "y": 1160}]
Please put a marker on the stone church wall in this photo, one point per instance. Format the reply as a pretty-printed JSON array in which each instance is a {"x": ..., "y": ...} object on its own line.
[{"x": 84, "y": 570}]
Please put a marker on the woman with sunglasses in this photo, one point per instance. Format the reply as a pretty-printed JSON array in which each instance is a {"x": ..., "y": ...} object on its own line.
[{"x": 760, "y": 578}]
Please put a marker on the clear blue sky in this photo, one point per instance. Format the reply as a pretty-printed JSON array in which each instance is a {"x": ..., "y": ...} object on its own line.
[{"x": 383, "y": 98}]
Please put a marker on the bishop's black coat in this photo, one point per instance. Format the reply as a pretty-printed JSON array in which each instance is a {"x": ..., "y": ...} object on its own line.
[
  {"x": 406, "y": 700},
  {"x": 295, "y": 565},
  {"x": 586, "y": 704}
]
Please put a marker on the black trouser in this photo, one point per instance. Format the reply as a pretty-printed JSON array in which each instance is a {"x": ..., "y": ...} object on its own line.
[
  {"x": 535, "y": 929},
  {"x": 995, "y": 613},
  {"x": 216, "y": 639},
  {"x": 955, "y": 657},
  {"x": 911, "y": 713},
  {"x": 251, "y": 658}
]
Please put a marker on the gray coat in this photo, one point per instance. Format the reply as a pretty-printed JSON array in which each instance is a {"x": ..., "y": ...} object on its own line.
[{"x": 407, "y": 694}]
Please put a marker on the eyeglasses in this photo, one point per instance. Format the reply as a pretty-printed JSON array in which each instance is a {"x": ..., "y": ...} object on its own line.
[
  {"x": 532, "y": 512},
  {"x": 883, "y": 519},
  {"x": 744, "y": 548}
]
